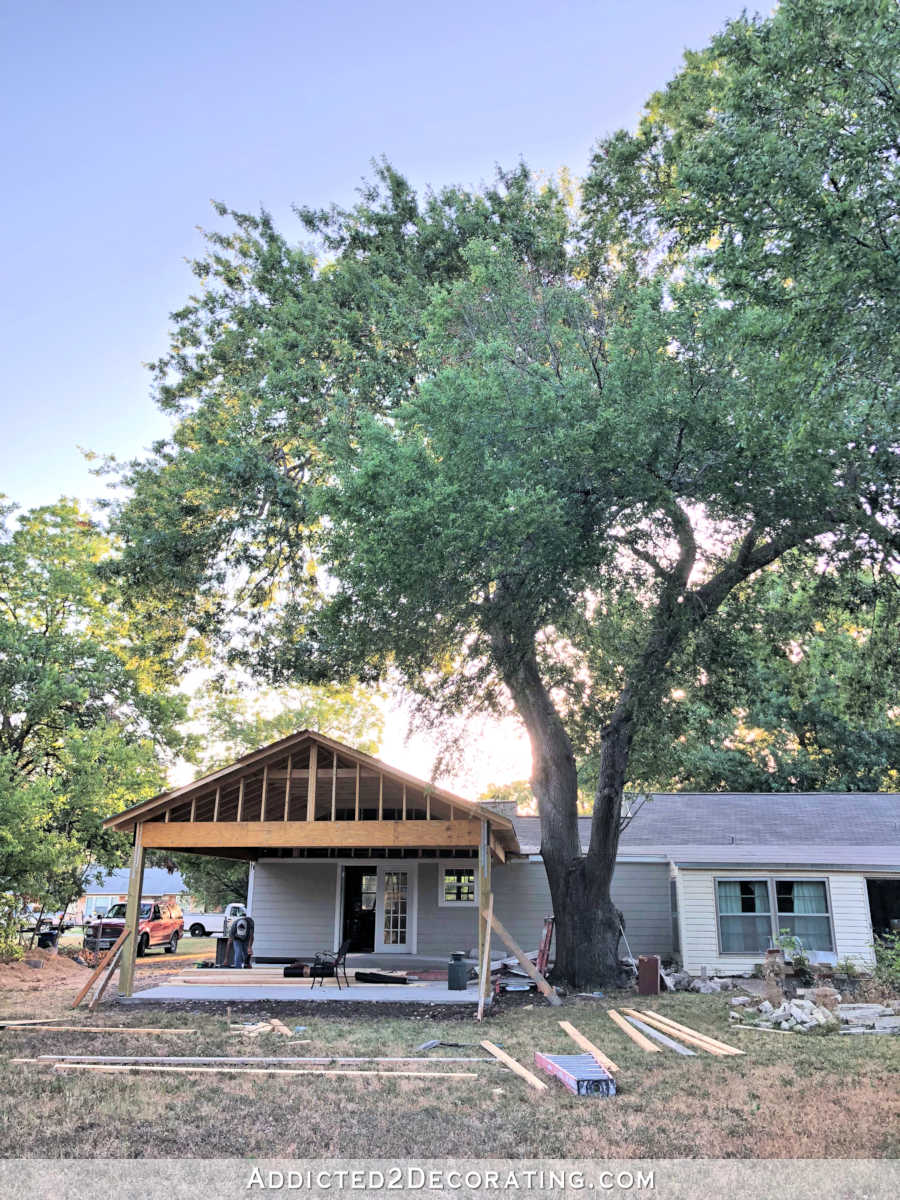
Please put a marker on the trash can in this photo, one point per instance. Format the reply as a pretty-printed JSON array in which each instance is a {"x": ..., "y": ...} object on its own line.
[
  {"x": 221, "y": 948},
  {"x": 457, "y": 972},
  {"x": 47, "y": 939}
]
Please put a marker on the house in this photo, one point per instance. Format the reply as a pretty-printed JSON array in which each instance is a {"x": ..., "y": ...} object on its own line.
[
  {"x": 346, "y": 848},
  {"x": 105, "y": 888}
]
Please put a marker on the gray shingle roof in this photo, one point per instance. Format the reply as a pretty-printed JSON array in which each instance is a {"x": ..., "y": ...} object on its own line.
[{"x": 834, "y": 827}]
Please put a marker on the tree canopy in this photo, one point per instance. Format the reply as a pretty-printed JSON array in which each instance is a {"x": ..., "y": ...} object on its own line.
[{"x": 87, "y": 714}]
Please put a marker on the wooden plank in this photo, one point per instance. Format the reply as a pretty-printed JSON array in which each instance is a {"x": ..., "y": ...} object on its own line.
[
  {"x": 356, "y": 804},
  {"x": 105, "y": 1029},
  {"x": 265, "y": 792},
  {"x": 280, "y": 1027},
  {"x": 240, "y": 810},
  {"x": 484, "y": 978},
  {"x": 32, "y": 1021},
  {"x": 287, "y": 790},
  {"x": 526, "y": 965},
  {"x": 217, "y": 803},
  {"x": 690, "y": 1038},
  {"x": 723, "y": 1046},
  {"x": 348, "y": 834},
  {"x": 497, "y": 849},
  {"x": 251, "y": 1060},
  {"x": 662, "y": 1037},
  {"x": 637, "y": 1037},
  {"x": 133, "y": 906},
  {"x": 194, "y": 809},
  {"x": 580, "y": 1040},
  {"x": 311, "y": 785},
  {"x": 334, "y": 787},
  {"x": 104, "y": 983},
  {"x": 235, "y": 1070},
  {"x": 100, "y": 968},
  {"x": 522, "y": 1072},
  {"x": 380, "y": 796}
]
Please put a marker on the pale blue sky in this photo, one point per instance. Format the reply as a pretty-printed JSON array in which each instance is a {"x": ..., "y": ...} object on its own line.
[{"x": 122, "y": 120}]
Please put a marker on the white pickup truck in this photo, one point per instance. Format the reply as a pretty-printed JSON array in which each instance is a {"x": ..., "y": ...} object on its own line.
[{"x": 205, "y": 924}]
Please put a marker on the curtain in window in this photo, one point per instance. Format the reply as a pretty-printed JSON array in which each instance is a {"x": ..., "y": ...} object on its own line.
[
  {"x": 729, "y": 896},
  {"x": 810, "y": 897}
]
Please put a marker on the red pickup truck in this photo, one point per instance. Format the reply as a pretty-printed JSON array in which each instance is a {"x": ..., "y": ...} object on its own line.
[{"x": 159, "y": 925}]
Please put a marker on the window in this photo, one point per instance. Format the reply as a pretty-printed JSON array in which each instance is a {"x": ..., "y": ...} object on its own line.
[
  {"x": 745, "y": 920},
  {"x": 802, "y": 909},
  {"x": 456, "y": 886}
]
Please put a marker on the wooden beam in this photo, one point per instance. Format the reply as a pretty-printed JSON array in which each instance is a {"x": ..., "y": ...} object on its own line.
[
  {"x": 99, "y": 969},
  {"x": 527, "y": 966},
  {"x": 484, "y": 977},
  {"x": 334, "y": 787},
  {"x": 356, "y": 807},
  {"x": 110, "y": 971},
  {"x": 691, "y": 1038},
  {"x": 287, "y": 791},
  {"x": 207, "y": 835},
  {"x": 682, "y": 1029},
  {"x": 428, "y": 806},
  {"x": 380, "y": 796},
  {"x": 636, "y": 1036},
  {"x": 262, "y": 804},
  {"x": 216, "y": 805},
  {"x": 133, "y": 907},
  {"x": 194, "y": 809},
  {"x": 111, "y": 1068},
  {"x": 311, "y": 785},
  {"x": 497, "y": 849},
  {"x": 580, "y": 1040},
  {"x": 240, "y": 811},
  {"x": 522, "y": 1072}
]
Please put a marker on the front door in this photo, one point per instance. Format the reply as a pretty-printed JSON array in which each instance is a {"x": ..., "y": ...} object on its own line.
[
  {"x": 395, "y": 909},
  {"x": 360, "y": 892}
]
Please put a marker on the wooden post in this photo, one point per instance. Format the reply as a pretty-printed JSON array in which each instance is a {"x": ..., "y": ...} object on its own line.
[
  {"x": 356, "y": 814},
  {"x": 403, "y": 810},
  {"x": 240, "y": 811},
  {"x": 484, "y": 978},
  {"x": 484, "y": 894},
  {"x": 132, "y": 913},
  {"x": 287, "y": 788},
  {"x": 194, "y": 809},
  {"x": 216, "y": 805},
  {"x": 333, "y": 786},
  {"x": 380, "y": 796},
  {"x": 311, "y": 786},
  {"x": 265, "y": 791}
]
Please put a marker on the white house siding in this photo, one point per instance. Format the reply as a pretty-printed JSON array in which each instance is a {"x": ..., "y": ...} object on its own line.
[
  {"x": 698, "y": 921},
  {"x": 640, "y": 890},
  {"x": 293, "y": 908},
  {"x": 293, "y": 905}
]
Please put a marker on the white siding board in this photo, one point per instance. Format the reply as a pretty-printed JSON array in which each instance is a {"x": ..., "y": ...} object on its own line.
[{"x": 293, "y": 908}]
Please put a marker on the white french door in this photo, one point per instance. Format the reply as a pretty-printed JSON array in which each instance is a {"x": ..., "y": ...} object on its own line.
[{"x": 395, "y": 908}]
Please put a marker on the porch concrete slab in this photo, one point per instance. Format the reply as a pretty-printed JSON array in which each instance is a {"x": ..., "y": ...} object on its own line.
[{"x": 425, "y": 993}]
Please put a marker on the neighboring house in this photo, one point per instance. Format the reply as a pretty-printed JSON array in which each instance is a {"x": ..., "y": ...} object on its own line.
[
  {"x": 108, "y": 888},
  {"x": 345, "y": 847}
]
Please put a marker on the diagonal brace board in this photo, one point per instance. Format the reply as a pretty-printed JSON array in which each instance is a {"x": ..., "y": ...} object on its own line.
[
  {"x": 527, "y": 966},
  {"x": 114, "y": 950}
]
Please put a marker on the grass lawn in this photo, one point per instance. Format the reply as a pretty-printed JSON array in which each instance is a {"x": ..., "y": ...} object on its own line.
[{"x": 790, "y": 1096}]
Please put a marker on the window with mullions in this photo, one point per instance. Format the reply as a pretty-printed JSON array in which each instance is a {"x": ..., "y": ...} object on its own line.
[
  {"x": 802, "y": 910},
  {"x": 745, "y": 916},
  {"x": 457, "y": 886}
]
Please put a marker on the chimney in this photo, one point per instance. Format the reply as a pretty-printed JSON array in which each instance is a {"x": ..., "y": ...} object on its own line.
[{"x": 506, "y": 808}]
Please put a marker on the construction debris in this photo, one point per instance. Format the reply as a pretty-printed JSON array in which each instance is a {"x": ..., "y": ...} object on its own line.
[
  {"x": 580, "y": 1040},
  {"x": 791, "y": 1015},
  {"x": 638, "y": 1038},
  {"x": 684, "y": 1033},
  {"x": 516, "y": 1067},
  {"x": 662, "y": 1038}
]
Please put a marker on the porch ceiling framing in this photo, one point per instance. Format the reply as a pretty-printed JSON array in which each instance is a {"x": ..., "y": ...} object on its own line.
[{"x": 445, "y": 820}]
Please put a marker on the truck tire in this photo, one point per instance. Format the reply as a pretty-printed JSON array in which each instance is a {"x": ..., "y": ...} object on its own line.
[
  {"x": 143, "y": 943},
  {"x": 171, "y": 945},
  {"x": 197, "y": 930}
]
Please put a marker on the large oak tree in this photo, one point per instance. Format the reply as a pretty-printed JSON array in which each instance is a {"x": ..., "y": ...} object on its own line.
[{"x": 521, "y": 456}]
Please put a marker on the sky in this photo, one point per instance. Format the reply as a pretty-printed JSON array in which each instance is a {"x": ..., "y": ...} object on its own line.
[{"x": 121, "y": 122}]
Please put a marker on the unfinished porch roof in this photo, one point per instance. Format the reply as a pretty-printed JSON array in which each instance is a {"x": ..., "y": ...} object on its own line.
[{"x": 310, "y": 794}]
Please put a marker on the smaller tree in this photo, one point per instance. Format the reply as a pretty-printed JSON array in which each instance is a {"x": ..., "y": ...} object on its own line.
[{"x": 86, "y": 714}]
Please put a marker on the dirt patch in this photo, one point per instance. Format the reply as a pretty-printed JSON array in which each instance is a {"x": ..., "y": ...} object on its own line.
[{"x": 48, "y": 969}]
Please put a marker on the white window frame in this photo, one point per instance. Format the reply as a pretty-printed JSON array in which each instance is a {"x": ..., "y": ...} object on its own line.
[
  {"x": 773, "y": 914},
  {"x": 456, "y": 864}
]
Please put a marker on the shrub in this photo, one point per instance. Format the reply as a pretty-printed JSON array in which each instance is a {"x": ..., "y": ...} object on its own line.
[{"x": 10, "y": 946}]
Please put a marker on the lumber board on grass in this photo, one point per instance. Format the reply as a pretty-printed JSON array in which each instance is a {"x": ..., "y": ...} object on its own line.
[
  {"x": 254, "y": 1059},
  {"x": 235, "y": 1070},
  {"x": 662, "y": 1037},
  {"x": 543, "y": 986},
  {"x": 679, "y": 1028},
  {"x": 103, "y": 1029},
  {"x": 105, "y": 981},
  {"x": 636, "y": 1036},
  {"x": 101, "y": 966},
  {"x": 516, "y": 1067},
  {"x": 33, "y": 1021},
  {"x": 691, "y": 1038},
  {"x": 580, "y": 1040}
]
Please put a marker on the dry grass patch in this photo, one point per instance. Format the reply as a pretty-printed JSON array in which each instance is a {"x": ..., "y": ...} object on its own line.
[{"x": 794, "y": 1096}]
